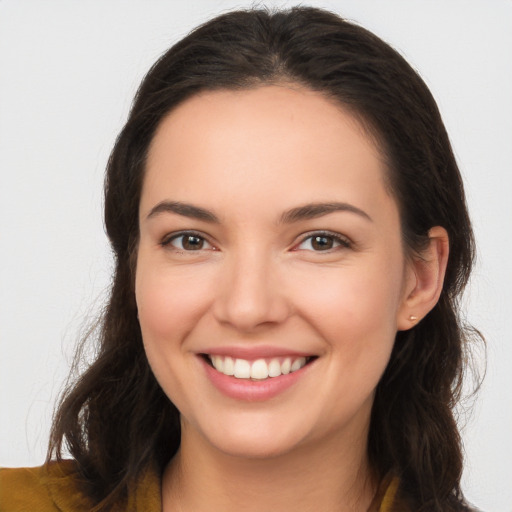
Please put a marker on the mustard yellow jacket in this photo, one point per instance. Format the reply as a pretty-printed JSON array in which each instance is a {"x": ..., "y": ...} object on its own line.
[{"x": 54, "y": 489}]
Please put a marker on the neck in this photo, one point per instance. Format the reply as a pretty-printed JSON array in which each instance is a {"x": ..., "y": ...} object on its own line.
[{"x": 331, "y": 477}]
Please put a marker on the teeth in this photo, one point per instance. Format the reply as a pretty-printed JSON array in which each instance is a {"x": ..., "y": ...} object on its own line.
[
  {"x": 286, "y": 366},
  {"x": 218, "y": 362},
  {"x": 242, "y": 369},
  {"x": 274, "y": 368},
  {"x": 298, "y": 364},
  {"x": 258, "y": 370},
  {"x": 229, "y": 366}
]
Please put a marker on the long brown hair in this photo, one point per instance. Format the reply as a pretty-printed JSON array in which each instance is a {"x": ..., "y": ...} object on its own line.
[{"x": 115, "y": 420}]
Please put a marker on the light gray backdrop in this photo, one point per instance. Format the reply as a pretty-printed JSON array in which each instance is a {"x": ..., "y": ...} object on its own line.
[{"x": 68, "y": 71}]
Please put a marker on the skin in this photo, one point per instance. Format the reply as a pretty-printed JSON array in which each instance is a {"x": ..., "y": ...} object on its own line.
[{"x": 248, "y": 157}]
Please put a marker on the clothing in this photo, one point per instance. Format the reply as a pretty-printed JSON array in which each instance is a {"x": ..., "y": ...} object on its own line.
[{"x": 54, "y": 489}]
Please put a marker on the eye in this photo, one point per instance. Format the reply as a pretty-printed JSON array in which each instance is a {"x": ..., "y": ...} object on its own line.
[
  {"x": 319, "y": 242},
  {"x": 187, "y": 242}
]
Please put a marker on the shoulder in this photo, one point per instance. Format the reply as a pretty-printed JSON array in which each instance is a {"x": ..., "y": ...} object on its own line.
[
  {"x": 48, "y": 488},
  {"x": 55, "y": 487}
]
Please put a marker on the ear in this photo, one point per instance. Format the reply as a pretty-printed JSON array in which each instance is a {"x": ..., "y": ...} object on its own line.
[{"x": 424, "y": 280}]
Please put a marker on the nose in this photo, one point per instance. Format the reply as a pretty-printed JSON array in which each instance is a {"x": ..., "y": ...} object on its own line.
[{"x": 251, "y": 294}]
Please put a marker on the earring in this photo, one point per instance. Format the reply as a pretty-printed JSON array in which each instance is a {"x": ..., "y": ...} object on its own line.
[{"x": 413, "y": 318}]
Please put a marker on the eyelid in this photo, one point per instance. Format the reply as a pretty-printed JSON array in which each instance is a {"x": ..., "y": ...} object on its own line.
[
  {"x": 342, "y": 240},
  {"x": 170, "y": 237}
]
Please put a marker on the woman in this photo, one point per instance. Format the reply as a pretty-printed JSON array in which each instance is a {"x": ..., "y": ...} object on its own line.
[{"x": 291, "y": 240}]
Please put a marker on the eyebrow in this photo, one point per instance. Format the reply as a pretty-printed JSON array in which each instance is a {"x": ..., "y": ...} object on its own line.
[
  {"x": 315, "y": 210},
  {"x": 185, "y": 210},
  {"x": 308, "y": 211}
]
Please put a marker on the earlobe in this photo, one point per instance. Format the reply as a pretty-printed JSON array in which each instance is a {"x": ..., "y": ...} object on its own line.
[{"x": 424, "y": 283}]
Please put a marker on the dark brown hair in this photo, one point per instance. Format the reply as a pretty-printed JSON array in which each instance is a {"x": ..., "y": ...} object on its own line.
[{"x": 115, "y": 420}]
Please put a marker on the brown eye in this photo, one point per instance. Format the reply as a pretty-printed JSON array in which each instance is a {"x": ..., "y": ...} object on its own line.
[
  {"x": 322, "y": 243},
  {"x": 192, "y": 243},
  {"x": 189, "y": 242}
]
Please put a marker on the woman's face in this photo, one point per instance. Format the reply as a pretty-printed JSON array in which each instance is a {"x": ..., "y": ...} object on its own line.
[{"x": 268, "y": 244}]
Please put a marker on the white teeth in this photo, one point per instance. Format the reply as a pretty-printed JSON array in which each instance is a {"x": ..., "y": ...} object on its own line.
[
  {"x": 259, "y": 369},
  {"x": 242, "y": 369},
  {"x": 274, "y": 368},
  {"x": 218, "y": 362},
  {"x": 298, "y": 364},
  {"x": 286, "y": 366},
  {"x": 229, "y": 366}
]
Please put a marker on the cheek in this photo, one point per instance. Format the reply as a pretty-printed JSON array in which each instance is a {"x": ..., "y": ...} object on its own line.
[
  {"x": 169, "y": 303},
  {"x": 353, "y": 308},
  {"x": 359, "y": 295}
]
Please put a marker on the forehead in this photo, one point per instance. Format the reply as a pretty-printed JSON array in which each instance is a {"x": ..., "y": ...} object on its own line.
[
  {"x": 268, "y": 107},
  {"x": 260, "y": 144}
]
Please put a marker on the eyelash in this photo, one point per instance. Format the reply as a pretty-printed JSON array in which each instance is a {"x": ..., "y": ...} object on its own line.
[
  {"x": 167, "y": 241},
  {"x": 341, "y": 241}
]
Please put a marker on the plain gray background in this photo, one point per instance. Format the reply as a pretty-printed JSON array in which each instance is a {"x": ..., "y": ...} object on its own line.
[{"x": 68, "y": 72}]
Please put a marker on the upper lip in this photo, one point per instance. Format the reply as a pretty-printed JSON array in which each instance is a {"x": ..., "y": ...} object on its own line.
[{"x": 253, "y": 352}]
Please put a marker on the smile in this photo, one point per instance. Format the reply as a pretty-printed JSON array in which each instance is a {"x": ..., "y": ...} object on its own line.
[
  {"x": 260, "y": 369},
  {"x": 255, "y": 374}
]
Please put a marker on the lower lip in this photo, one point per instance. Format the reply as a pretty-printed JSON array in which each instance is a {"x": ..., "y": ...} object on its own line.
[{"x": 252, "y": 390}]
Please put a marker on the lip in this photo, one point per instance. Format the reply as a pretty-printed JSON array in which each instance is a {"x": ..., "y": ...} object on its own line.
[
  {"x": 251, "y": 353},
  {"x": 252, "y": 390}
]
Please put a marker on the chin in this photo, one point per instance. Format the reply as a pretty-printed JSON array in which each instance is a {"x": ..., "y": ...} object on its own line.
[
  {"x": 257, "y": 439},
  {"x": 255, "y": 447}
]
